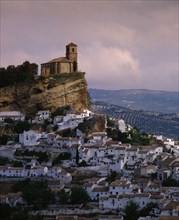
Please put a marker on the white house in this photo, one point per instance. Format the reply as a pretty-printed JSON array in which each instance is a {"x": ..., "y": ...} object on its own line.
[
  {"x": 67, "y": 141},
  {"x": 57, "y": 173},
  {"x": 120, "y": 187},
  {"x": 18, "y": 172},
  {"x": 15, "y": 115},
  {"x": 86, "y": 113},
  {"x": 121, "y": 125},
  {"x": 29, "y": 138},
  {"x": 117, "y": 165},
  {"x": 41, "y": 115},
  {"x": 171, "y": 209},
  {"x": 120, "y": 201}
]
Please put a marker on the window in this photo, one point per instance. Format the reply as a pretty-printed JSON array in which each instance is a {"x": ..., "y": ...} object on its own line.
[{"x": 73, "y": 50}]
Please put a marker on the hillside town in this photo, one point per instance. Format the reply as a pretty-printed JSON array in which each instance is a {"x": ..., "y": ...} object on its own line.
[{"x": 80, "y": 152}]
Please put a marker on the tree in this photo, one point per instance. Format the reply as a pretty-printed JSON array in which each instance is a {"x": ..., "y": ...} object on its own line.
[
  {"x": 22, "y": 126},
  {"x": 9, "y": 120},
  {"x": 63, "y": 196},
  {"x": 79, "y": 195},
  {"x": 34, "y": 192},
  {"x": 6, "y": 211},
  {"x": 28, "y": 118},
  {"x": 4, "y": 161},
  {"x": 4, "y": 139},
  {"x": 145, "y": 211},
  {"x": 61, "y": 110},
  {"x": 17, "y": 164},
  {"x": 131, "y": 211},
  {"x": 82, "y": 164},
  {"x": 16, "y": 74},
  {"x": 77, "y": 155},
  {"x": 170, "y": 182},
  {"x": 113, "y": 176},
  {"x": 110, "y": 122},
  {"x": 61, "y": 156}
]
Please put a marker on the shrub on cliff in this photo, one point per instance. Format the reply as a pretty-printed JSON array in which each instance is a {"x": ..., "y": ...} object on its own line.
[{"x": 16, "y": 74}]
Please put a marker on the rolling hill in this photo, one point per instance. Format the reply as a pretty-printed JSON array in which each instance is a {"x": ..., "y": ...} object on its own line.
[{"x": 139, "y": 99}]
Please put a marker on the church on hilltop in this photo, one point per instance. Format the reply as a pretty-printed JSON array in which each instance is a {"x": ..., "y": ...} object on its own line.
[{"x": 67, "y": 64}]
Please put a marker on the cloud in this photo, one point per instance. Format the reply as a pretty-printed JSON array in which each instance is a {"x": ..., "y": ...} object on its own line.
[
  {"x": 121, "y": 44},
  {"x": 111, "y": 67}
]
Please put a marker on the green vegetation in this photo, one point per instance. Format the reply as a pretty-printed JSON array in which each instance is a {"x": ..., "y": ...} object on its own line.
[
  {"x": 117, "y": 135},
  {"x": 42, "y": 156},
  {"x": 134, "y": 136},
  {"x": 67, "y": 77},
  {"x": 63, "y": 196},
  {"x": 20, "y": 73},
  {"x": 170, "y": 182},
  {"x": 5, "y": 210},
  {"x": 9, "y": 121},
  {"x": 61, "y": 111},
  {"x": 77, "y": 155},
  {"x": 138, "y": 138},
  {"x": 110, "y": 122},
  {"x": 4, "y": 139},
  {"x": 4, "y": 161},
  {"x": 113, "y": 176},
  {"x": 61, "y": 156},
  {"x": 22, "y": 126},
  {"x": 145, "y": 211},
  {"x": 131, "y": 211},
  {"x": 82, "y": 164},
  {"x": 36, "y": 193},
  {"x": 16, "y": 213},
  {"x": 79, "y": 196},
  {"x": 17, "y": 164}
]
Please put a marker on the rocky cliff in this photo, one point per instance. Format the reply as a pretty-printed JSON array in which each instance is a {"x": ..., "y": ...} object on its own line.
[{"x": 46, "y": 93}]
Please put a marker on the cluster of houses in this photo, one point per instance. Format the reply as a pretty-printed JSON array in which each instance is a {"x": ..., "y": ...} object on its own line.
[{"x": 134, "y": 165}]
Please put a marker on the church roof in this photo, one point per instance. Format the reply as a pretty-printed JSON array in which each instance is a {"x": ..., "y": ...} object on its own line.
[
  {"x": 59, "y": 59},
  {"x": 71, "y": 44}
]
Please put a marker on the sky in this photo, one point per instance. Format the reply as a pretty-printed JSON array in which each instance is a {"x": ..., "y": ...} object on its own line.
[{"x": 122, "y": 44}]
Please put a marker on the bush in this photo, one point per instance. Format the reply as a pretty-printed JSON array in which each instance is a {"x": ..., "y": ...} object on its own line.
[
  {"x": 4, "y": 139},
  {"x": 22, "y": 126},
  {"x": 83, "y": 164},
  {"x": 61, "y": 156},
  {"x": 34, "y": 192},
  {"x": 61, "y": 110},
  {"x": 20, "y": 73},
  {"x": 79, "y": 195},
  {"x": 17, "y": 164},
  {"x": 6, "y": 211},
  {"x": 9, "y": 120},
  {"x": 4, "y": 161},
  {"x": 170, "y": 182}
]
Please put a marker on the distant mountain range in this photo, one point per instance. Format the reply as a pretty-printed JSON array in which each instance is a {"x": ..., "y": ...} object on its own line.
[
  {"x": 139, "y": 99},
  {"x": 149, "y": 122}
]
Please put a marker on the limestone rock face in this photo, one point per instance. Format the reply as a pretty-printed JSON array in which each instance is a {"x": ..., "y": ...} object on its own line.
[{"x": 43, "y": 94}]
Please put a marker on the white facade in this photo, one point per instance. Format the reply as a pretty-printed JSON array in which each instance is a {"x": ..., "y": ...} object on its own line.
[
  {"x": 41, "y": 115},
  {"x": 19, "y": 172},
  {"x": 120, "y": 201},
  {"x": 14, "y": 115},
  {"x": 61, "y": 141},
  {"x": 120, "y": 187},
  {"x": 29, "y": 138},
  {"x": 121, "y": 125}
]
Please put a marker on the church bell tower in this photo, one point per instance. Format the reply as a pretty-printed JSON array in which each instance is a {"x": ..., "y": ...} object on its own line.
[{"x": 72, "y": 55}]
